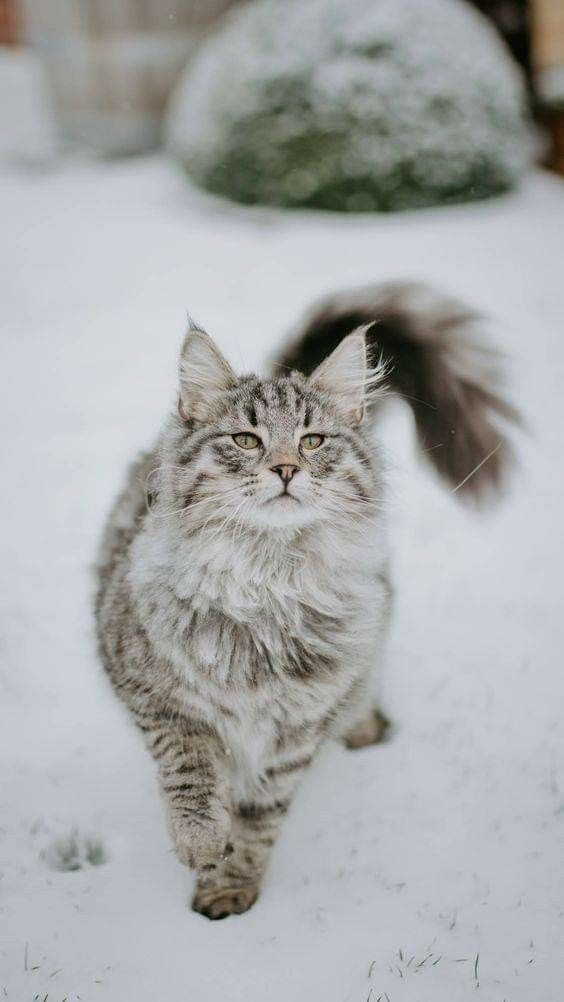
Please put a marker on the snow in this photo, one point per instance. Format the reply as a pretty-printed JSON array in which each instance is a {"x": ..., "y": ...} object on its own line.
[{"x": 445, "y": 844}]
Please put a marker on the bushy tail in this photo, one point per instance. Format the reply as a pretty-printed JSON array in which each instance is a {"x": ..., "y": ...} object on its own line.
[{"x": 437, "y": 362}]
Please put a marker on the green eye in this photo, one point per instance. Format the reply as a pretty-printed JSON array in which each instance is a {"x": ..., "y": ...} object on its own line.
[
  {"x": 246, "y": 441},
  {"x": 310, "y": 442}
]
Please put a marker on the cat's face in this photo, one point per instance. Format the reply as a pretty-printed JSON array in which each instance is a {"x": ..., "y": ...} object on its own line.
[{"x": 271, "y": 453}]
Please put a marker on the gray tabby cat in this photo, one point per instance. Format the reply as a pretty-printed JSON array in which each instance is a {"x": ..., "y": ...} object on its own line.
[{"x": 242, "y": 603}]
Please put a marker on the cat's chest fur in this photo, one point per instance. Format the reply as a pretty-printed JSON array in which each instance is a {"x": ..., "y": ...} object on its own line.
[
  {"x": 264, "y": 640},
  {"x": 247, "y": 620}
]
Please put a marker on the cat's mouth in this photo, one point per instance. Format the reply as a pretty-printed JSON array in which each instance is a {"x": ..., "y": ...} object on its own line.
[{"x": 283, "y": 496}]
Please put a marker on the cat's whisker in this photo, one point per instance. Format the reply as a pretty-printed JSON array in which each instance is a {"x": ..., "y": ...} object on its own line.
[
  {"x": 357, "y": 500},
  {"x": 337, "y": 507},
  {"x": 206, "y": 499}
]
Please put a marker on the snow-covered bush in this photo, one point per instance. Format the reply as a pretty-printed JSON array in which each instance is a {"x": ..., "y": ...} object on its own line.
[{"x": 352, "y": 105}]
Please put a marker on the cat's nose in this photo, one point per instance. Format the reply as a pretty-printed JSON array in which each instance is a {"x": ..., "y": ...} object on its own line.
[{"x": 285, "y": 471}]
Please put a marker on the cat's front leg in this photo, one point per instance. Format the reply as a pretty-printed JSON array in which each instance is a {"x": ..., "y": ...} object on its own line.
[
  {"x": 194, "y": 785},
  {"x": 233, "y": 885}
]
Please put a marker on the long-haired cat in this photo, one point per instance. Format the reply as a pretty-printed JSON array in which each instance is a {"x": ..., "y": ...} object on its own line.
[{"x": 244, "y": 595}]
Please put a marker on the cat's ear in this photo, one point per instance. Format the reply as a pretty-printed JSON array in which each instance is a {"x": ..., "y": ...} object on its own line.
[
  {"x": 345, "y": 375},
  {"x": 204, "y": 376}
]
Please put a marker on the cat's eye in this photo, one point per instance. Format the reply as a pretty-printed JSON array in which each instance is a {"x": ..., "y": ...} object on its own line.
[
  {"x": 311, "y": 442},
  {"x": 245, "y": 440}
]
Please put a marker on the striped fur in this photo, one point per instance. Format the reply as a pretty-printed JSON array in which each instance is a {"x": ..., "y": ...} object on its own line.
[{"x": 243, "y": 599}]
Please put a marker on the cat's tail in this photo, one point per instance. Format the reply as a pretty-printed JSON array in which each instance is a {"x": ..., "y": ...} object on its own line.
[{"x": 436, "y": 360}]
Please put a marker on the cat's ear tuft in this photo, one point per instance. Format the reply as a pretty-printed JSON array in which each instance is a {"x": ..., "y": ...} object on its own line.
[
  {"x": 204, "y": 376},
  {"x": 345, "y": 375}
]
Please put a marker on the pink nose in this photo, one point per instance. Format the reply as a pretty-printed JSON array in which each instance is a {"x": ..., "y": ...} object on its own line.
[{"x": 285, "y": 471}]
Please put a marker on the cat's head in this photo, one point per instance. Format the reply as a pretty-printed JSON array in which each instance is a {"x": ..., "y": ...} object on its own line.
[{"x": 277, "y": 452}]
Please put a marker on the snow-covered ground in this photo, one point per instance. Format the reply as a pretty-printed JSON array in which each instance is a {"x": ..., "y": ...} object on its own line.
[{"x": 426, "y": 870}]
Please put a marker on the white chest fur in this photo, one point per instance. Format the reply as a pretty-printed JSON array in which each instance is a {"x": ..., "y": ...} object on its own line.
[{"x": 232, "y": 616}]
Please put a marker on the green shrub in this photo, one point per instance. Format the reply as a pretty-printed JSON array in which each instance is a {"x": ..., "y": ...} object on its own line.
[{"x": 352, "y": 105}]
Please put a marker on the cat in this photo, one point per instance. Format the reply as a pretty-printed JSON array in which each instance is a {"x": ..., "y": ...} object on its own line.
[{"x": 243, "y": 587}]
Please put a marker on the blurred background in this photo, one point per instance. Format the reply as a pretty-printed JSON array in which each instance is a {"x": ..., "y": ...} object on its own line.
[{"x": 97, "y": 76}]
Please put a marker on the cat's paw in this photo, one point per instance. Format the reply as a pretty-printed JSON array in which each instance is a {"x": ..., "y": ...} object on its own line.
[
  {"x": 200, "y": 841},
  {"x": 219, "y": 902},
  {"x": 373, "y": 729}
]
